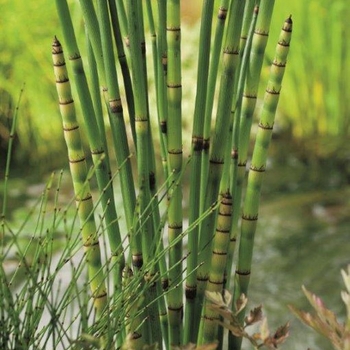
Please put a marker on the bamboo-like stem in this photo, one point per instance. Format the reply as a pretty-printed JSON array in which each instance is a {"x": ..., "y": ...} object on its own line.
[
  {"x": 95, "y": 141},
  {"x": 230, "y": 61},
  {"x": 236, "y": 108},
  {"x": 209, "y": 325},
  {"x": 174, "y": 88},
  {"x": 196, "y": 151},
  {"x": 162, "y": 66},
  {"x": 79, "y": 174},
  {"x": 123, "y": 65},
  {"x": 144, "y": 158},
  {"x": 120, "y": 140},
  {"x": 249, "y": 98},
  {"x": 258, "y": 164},
  {"x": 209, "y": 101}
]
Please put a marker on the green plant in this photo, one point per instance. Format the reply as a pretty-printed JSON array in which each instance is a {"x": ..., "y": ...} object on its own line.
[
  {"x": 136, "y": 278},
  {"x": 324, "y": 321},
  {"x": 318, "y": 106}
]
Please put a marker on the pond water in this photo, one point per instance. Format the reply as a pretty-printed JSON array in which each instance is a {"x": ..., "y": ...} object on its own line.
[{"x": 302, "y": 239}]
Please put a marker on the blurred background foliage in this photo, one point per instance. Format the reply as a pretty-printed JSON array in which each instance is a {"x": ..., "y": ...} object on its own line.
[{"x": 314, "y": 106}]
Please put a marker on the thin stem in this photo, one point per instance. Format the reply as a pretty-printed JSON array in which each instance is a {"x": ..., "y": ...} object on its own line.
[
  {"x": 174, "y": 128},
  {"x": 258, "y": 164}
]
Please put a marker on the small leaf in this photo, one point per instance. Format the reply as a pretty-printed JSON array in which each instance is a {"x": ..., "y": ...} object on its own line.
[
  {"x": 346, "y": 278},
  {"x": 241, "y": 303},
  {"x": 255, "y": 316},
  {"x": 216, "y": 298},
  {"x": 264, "y": 330}
]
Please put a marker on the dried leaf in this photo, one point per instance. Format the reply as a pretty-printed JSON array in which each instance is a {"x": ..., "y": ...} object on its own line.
[
  {"x": 281, "y": 334},
  {"x": 264, "y": 330},
  {"x": 255, "y": 316},
  {"x": 346, "y": 278},
  {"x": 216, "y": 298},
  {"x": 241, "y": 303}
]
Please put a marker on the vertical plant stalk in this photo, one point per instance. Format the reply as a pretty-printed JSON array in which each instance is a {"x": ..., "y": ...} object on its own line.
[
  {"x": 95, "y": 141},
  {"x": 8, "y": 158},
  {"x": 195, "y": 178},
  {"x": 209, "y": 326},
  {"x": 144, "y": 156},
  {"x": 79, "y": 174},
  {"x": 258, "y": 164},
  {"x": 209, "y": 100},
  {"x": 237, "y": 106},
  {"x": 174, "y": 123},
  {"x": 230, "y": 61},
  {"x": 123, "y": 65},
  {"x": 120, "y": 141},
  {"x": 256, "y": 57}
]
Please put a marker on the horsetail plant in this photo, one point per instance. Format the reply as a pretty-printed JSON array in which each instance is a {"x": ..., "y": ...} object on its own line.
[
  {"x": 259, "y": 159},
  {"x": 79, "y": 173},
  {"x": 161, "y": 272}
]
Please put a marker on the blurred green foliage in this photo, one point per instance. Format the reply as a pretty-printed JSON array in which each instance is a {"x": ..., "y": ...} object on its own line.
[{"x": 314, "y": 101}]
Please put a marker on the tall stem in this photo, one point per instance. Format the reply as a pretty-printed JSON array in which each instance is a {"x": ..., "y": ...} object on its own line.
[
  {"x": 174, "y": 128},
  {"x": 80, "y": 178},
  {"x": 258, "y": 164}
]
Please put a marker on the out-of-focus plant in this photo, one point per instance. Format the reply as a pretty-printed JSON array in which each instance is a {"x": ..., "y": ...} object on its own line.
[
  {"x": 317, "y": 102},
  {"x": 324, "y": 321},
  {"x": 24, "y": 59},
  {"x": 231, "y": 321}
]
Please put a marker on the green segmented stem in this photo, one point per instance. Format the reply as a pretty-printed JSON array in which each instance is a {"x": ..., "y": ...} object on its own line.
[
  {"x": 213, "y": 73},
  {"x": 195, "y": 179},
  {"x": 123, "y": 65},
  {"x": 249, "y": 98},
  {"x": 79, "y": 174},
  {"x": 95, "y": 141},
  {"x": 134, "y": 336},
  {"x": 236, "y": 190},
  {"x": 230, "y": 62},
  {"x": 209, "y": 326},
  {"x": 117, "y": 123},
  {"x": 161, "y": 71},
  {"x": 259, "y": 158},
  {"x": 144, "y": 156},
  {"x": 174, "y": 127}
]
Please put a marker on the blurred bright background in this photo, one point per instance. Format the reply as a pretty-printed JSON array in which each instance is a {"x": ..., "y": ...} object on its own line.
[{"x": 305, "y": 216}]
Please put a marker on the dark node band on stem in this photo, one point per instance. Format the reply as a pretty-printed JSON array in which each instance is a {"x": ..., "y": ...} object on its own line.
[
  {"x": 197, "y": 142},
  {"x": 92, "y": 244},
  {"x": 249, "y": 218},
  {"x": 261, "y": 33},
  {"x": 222, "y": 13},
  {"x": 190, "y": 292},
  {"x": 152, "y": 180},
  {"x": 137, "y": 260},
  {"x": 234, "y": 153},
  {"x": 99, "y": 296},
  {"x": 206, "y": 144},
  {"x": 78, "y": 160},
  {"x": 216, "y": 161},
  {"x": 216, "y": 252},
  {"x": 243, "y": 273},
  {"x": 265, "y": 126},
  {"x": 71, "y": 129},
  {"x": 116, "y": 105},
  {"x": 217, "y": 283},
  {"x": 165, "y": 284},
  {"x": 163, "y": 127}
]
